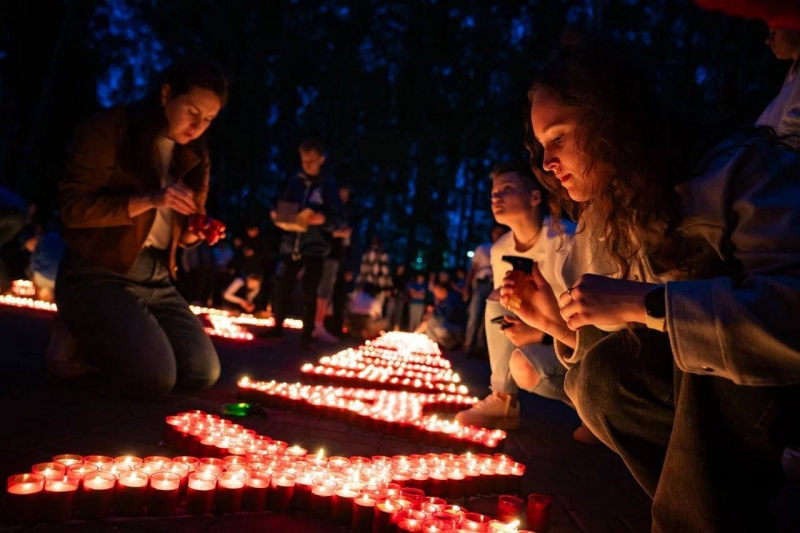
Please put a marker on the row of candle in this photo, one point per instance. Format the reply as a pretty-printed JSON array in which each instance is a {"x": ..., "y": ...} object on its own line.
[
  {"x": 409, "y": 343},
  {"x": 368, "y": 362},
  {"x": 222, "y": 323},
  {"x": 90, "y": 487},
  {"x": 447, "y": 475},
  {"x": 396, "y": 413}
]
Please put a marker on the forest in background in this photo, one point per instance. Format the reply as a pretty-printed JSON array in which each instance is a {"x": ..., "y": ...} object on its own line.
[{"x": 416, "y": 100}]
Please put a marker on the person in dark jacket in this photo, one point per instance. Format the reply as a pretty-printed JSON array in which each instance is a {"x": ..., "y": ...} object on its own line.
[
  {"x": 315, "y": 195},
  {"x": 134, "y": 175}
]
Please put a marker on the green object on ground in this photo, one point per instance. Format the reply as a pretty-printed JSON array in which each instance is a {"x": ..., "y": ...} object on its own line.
[{"x": 236, "y": 409}]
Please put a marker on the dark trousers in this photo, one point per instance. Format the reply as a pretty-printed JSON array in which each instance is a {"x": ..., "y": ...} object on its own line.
[
  {"x": 311, "y": 277},
  {"x": 12, "y": 220},
  {"x": 705, "y": 449},
  {"x": 136, "y": 328}
]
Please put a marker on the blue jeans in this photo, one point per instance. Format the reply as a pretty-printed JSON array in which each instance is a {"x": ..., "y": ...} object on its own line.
[
  {"x": 136, "y": 327},
  {"x": 476, "y": 331},
  {"x": 542, "y": 358}
]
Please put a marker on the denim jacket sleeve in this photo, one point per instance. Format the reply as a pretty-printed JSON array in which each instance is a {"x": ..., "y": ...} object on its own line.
[{"x": 743, "y": 328}]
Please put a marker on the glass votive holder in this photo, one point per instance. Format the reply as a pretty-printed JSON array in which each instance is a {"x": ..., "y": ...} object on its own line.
[
  {"x": 417, "y": 517},
  {"x": 115, "y": 468},
  {"x": 128, "y": 460},
  {"x": 67, "y": 459},
  {"x": 98, "y": 460},
  {"x": 96, "y": 495},
  {"x": 24, "y": 494},
  {"x": 432, "y": 525},
  {"x": 131, "y": 493},
  {"x": 50, "y": 470},
  {"x": 200, "y": 493},
  {"x": 79, "y": 470},
  {"x": 322, "y": 493},
  {"x": 538, "y": 511},
  {"x": 497, "y": 526},
  {"x": 230, "y": 491},
  {"x": 509, "y": 508},
  {"x": 279, "y": 497},
  {"x": 163, "y": 494},
  {"x": 59, "y": 499},
  {"x": 413, "y": 494},
  {"x": 160, "y": 459},
  {"x": 256, "y": 485},
  {"x": 475, "y": 522}
]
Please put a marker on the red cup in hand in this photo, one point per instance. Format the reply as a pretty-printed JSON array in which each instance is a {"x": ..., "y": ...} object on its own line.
[{"x": 206, "y": 227}]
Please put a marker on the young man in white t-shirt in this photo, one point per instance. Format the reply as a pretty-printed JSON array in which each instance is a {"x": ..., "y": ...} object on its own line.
[{"x": 520, "y": 356}]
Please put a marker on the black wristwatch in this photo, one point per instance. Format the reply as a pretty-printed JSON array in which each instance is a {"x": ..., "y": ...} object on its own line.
[{"x": 655, "y": 306}]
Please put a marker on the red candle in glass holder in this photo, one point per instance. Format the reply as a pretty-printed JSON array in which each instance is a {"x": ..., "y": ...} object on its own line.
[
  {"x": 384, "y": 516},
  {"x": 301, "y": 501},
  {"x": 419, "y": 479},
  {"x": 50, "y": 470},
  {"x": 517, "y": 471},
  {"x": 229, "y": 494},
  {"x": 59, "y": 498},
  {"x": 509, "y": 508},
  {"x": 363, "y": 513},
  {"x": 96, "y": 495},
  {"x": 131, "y": 493},
  {"x": 163, "y": 494},
  {"x": 431, "y": 504},
  {"x": 497, "y": 526},
  {"x": 131, "y": 460},
  {"x": 200, "y": 493},
  {"x": 79, "y": 470},
  {"x": 433, "y": 525},
  {"x": 475, "y": 522},
  {"x": 409, "y": 520},
  {"x": 322, "y": 497},
  {"x": 115, "y": 468},
  {"x": 438, "y": 483},
  {"x": 24, "y": 494},
  {"x": 281, "y": 491},
  {"x": 160, "y": 459},
  {"x": 98, "y": 460},
  {"x": 256, "y": 485},
  {"x": 456, "y": 511},
  {"x": 401, "y": 477},
  {"x": 192, "y": 462},
  {"x": 68, "y": 459},
  {"x": 342, "y": 505},
  {"x": 455, "y": 484},
  {"x": 538, "y": 511}
]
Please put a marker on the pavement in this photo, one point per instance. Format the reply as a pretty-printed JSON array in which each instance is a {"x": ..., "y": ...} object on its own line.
[{"x": 592, "y": 489}]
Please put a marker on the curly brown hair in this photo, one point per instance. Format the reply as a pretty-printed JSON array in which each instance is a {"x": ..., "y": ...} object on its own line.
[{"x": 636, "y": 208}]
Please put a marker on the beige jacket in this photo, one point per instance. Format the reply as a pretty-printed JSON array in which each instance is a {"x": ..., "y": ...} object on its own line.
[{"x": 742, "y": 211}]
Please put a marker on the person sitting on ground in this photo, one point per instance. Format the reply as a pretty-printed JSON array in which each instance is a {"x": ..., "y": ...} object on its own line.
[
  {"x": 677, "y": 326},
  {"x": 445, "y": 323},
  {"x": 243, "y": 291},
  {"x": 365, "y": 315},
  {"x": 134, "y": 176},
  {"x": 521, "y": 357}
]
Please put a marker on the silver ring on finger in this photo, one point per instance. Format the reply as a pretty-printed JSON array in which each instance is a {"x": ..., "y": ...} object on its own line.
[{"x": 569, "y": 294}]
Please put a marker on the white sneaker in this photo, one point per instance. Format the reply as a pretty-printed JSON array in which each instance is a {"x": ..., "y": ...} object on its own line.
[
  {"x": 321, "y": 334},
  {"x": 493, "y": 412}
]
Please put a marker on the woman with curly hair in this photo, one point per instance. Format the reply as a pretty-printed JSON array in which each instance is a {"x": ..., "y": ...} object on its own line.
[{"x": 675, "y": 327}]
